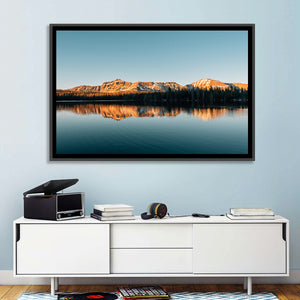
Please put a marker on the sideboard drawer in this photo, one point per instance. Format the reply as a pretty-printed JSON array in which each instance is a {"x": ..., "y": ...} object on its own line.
[
  {"x": 151, "y": 236},
  {"x": 155, "y": 261}
]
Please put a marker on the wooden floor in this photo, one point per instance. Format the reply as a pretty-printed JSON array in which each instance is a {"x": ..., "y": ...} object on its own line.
[{"x": 283, "y": 292}]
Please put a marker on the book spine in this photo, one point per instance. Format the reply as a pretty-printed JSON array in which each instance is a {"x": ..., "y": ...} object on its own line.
[
  {"x": 251, "y": 212},
  {"x": 97, "y": 212},
  {"x": 251, "y": 217},
  {"x": 113, "y": 209},
  {"x": 112, "y": 214},
  {"x": 95, "y": 216}
]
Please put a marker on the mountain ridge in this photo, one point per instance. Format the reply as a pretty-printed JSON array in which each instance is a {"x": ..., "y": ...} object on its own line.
[{"x": 119, "y": 86}]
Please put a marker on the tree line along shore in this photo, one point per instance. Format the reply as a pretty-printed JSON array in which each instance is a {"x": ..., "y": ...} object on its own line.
[{"x": 205, "y": 97}]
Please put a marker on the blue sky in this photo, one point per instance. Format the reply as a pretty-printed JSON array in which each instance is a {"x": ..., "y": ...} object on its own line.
[{"x": 92, "y": 57}]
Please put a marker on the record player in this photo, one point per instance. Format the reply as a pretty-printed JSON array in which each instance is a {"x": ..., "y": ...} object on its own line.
[{"x": 44, "y": 201}]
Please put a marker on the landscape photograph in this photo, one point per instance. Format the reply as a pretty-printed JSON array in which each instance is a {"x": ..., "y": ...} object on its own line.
[{"x": 151, "y": 93}]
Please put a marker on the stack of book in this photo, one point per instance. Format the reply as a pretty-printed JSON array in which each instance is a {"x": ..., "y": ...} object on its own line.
[
  {"x": 143, "y": 292},
  {"x": 112, "y": 212},
  {"x": 251, "y": 214}
]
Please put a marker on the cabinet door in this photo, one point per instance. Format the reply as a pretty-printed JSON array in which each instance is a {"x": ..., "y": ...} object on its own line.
[
  {"x": 239, "y": 248},
  {"x": 63, "y": 249}
]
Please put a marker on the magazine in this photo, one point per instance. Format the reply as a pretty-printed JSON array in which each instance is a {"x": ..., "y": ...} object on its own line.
[{"x": 143, "y": 292}]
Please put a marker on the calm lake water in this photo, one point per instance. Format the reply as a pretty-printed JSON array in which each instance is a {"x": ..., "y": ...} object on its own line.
[{"x": 137, "y": 129}]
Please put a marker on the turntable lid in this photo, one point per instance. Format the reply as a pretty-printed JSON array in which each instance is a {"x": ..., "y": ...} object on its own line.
[{"x": 52, "y": 187}]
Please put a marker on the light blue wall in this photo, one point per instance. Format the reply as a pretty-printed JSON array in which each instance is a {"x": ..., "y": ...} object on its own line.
[{"x": 208, "y": 187}]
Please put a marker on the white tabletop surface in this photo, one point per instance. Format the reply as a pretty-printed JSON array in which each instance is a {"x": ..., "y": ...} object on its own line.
[{"x": 166, "y": 220}]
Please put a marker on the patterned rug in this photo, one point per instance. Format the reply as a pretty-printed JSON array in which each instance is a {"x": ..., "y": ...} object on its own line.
[
  {"x": 221, "y": 295},
  {"x": 179, "y": 296}
]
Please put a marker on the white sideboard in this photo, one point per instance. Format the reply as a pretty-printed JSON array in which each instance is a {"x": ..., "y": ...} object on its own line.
[{"x": 169, "y": 247}]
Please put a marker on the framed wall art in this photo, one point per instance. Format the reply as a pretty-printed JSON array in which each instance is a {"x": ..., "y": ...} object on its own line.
[{"x": 152, "y": 91}]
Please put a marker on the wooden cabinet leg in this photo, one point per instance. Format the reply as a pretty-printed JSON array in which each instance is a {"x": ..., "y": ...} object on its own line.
[{"x": 249, "y": 286}]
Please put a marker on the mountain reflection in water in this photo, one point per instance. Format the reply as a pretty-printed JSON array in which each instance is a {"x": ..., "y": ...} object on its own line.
[{"x": 120, "y": 111}]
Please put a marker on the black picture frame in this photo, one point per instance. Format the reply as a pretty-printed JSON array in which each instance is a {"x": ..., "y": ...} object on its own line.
[{"x": 250, "y": 28}]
